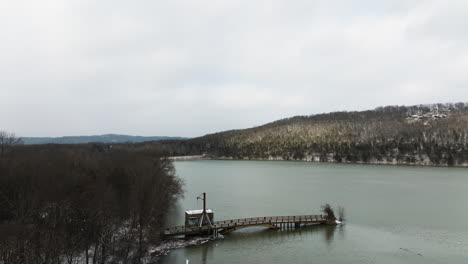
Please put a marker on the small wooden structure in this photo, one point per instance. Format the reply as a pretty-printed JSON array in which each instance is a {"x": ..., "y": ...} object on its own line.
[
  {"x": 195, "y": 217},
  {"x": 199, "y": 218}
]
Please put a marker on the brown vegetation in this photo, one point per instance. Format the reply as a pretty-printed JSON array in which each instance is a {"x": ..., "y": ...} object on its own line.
[
  {"x": 88, "y": 203},
  {"x": 422, "y": 134},
  {"x": 329, "y": 213},
  {"x": 7, "y": 140}
]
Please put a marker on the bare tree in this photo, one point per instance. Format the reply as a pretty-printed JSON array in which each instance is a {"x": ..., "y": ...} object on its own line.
[
  {"x": 78, "y": 204},
  {"x": 341, "y": 214},
  {"x": 7, "y": 139}
]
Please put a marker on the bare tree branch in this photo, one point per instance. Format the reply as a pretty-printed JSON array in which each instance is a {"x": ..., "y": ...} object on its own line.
[{"x": 7, "y": 139}]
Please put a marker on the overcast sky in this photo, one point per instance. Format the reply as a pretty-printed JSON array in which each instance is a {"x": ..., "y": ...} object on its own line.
[{"x": 188, "y": 68}]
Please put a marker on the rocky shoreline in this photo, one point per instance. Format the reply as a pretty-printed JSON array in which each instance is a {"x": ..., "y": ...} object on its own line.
[{"x": 168, "y": 245}]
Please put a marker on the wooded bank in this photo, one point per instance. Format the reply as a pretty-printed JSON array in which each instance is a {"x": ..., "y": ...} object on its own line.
[
  {"x": 418, "y": 135},
  {"x": 82, "y": 203}
]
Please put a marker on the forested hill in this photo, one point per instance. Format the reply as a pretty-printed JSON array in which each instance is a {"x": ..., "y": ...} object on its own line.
[
  {"x": 423, "y": 134},
  {"x": 108, "y": 138}
]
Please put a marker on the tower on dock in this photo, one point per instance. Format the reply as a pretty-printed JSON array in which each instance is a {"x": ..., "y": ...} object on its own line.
[{"x": 201, "y": 217}]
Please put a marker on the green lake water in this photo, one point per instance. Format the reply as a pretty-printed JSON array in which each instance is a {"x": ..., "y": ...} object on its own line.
[{"x": 395, "y": 214}]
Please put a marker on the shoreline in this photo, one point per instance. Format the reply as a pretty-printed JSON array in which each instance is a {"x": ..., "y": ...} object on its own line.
[
  {"x": 189, "y": 157},
  {"x": 209, "y": 157},
  {"x": 167, "y": 246}
]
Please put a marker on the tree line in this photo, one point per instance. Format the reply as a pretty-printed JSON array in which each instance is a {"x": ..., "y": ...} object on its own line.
[
  {"x": 423, "y": 134},
  {"x": 83, "y": 203}
]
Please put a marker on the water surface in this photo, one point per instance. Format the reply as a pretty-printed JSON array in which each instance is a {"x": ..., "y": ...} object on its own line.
[{"x": 395, "y": 214}]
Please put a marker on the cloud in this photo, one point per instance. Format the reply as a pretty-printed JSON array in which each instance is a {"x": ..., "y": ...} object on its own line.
[{"x": 188, "y": 68}]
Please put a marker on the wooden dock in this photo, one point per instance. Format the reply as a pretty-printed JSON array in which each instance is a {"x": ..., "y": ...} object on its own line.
[{"x": 226, "y": 226}]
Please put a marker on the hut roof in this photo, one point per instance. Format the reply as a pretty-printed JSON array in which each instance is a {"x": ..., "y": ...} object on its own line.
[{"x": 196, "y": 212}]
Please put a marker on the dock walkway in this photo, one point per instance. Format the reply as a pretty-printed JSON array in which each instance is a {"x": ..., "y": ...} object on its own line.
[{"x": 226, "y": 226}]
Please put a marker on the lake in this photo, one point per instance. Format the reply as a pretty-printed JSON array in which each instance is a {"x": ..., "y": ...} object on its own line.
[{"x": 395, "y": 214}]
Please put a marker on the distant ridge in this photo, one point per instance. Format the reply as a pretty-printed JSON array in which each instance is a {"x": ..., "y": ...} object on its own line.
[
  {"x": 107, "y": 138},
  {"x": 434, "y": 134}
]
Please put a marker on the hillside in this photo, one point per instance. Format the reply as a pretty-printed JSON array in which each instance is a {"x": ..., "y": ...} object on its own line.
[
  {"x": 424, "y": 135},
  {"x": 109, "y": 138}
]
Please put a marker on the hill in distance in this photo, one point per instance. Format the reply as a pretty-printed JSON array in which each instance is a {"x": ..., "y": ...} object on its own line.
[
  {"x": 435, "y": 134},
  {"x": 108, "y": 138}
]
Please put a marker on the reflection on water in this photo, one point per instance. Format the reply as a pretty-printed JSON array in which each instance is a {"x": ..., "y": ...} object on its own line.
[
  {"x": 204, "y": 253},
  {"x": 265, "y": 234},
  {"x": 389, "y": 208},
  {"x": 269, "y": 237},
  {"x": 329, "y": 233},
  {"x": 261, "y": 235}
]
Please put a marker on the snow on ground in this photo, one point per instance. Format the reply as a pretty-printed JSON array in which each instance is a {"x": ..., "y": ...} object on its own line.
[{"x": 168, "y": 245}]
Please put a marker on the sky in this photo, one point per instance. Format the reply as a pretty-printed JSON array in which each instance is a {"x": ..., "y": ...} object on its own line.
[{"x": 189, "y": 68}]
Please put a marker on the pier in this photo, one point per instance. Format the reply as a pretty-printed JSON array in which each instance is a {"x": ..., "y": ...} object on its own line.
[
  {"x": 200, "y": 222},
  {"x": 226, "y": 226}
]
